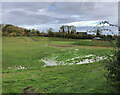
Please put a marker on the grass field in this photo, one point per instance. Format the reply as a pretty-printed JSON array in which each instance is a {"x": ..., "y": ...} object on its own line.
[
  {"x": 76, "y": 78},
  {"x": 81, "y": 42}
]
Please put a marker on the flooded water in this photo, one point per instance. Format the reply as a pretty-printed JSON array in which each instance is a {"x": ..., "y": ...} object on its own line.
[
  {"x": 17, "y": 67},
  {"x": 53, "y": 62}
]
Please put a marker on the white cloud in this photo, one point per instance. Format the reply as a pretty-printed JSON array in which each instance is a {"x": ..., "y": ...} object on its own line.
[
  {"x": 84, "y": 23},
  {"x": 75, "y": 16},
  {"x": 42, "y": 10}
]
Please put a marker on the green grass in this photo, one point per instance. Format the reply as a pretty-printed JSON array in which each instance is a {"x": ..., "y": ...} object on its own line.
[
  {"x": 85, "y": 78},
  {"x": 94, "y": 43},
  {"x": 61, "y": 43},
  {"x": 80, "y": 42},
  {"x": 28, "y": 52}
]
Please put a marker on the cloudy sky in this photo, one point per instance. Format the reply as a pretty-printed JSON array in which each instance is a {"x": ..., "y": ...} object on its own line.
[{"x": 44, "y": 15}]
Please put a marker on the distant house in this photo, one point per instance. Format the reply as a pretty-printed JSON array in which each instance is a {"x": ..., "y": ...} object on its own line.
[{"x": 97, "y": 38}]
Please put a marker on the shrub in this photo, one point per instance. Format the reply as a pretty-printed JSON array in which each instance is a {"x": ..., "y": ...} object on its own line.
[{"x": 113, "y": 67}]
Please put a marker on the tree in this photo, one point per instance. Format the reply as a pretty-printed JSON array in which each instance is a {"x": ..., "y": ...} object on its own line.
[
  {"x": 98, "y": 32},
  {"x": 73, "y": 30},
  {"x": 38, "y": 32},
  {"x": 50, "y": 32},
  {"x": 11, "y": 30},
  {"x": 29, "y": 32},
  {"x": 34, "y": 32},
  {"x": 62, "y": 28},
  {"x": 68, "y": 28}
]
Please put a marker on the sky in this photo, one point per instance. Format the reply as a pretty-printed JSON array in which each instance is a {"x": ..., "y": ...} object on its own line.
[{"x": 45, "y": 15}]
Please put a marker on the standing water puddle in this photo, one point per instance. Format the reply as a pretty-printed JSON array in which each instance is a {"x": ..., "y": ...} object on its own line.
[{"x": 76, "y": 60}]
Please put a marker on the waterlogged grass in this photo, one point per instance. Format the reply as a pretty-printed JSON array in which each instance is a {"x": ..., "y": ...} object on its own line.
[
  {"x": 25, "y": 52},
  {"x": 76, "y": 55}
]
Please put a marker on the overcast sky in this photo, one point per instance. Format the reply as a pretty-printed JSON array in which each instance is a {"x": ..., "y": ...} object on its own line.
[{"x": 43, "y": 15}]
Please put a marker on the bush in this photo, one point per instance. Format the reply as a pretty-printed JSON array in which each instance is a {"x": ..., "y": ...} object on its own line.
[{"x": 113, "y": 67}]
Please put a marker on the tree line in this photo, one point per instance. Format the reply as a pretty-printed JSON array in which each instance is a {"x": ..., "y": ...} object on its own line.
[
  {"x": 11, "y": 30},
  {"x": 65, "y": 31},
  {"x": 70, "y": 32}
]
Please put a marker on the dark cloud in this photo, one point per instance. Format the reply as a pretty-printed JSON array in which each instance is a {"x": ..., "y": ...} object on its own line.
[{"x": 54, "y": 14}]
